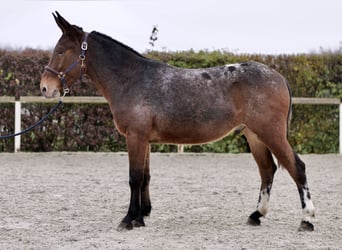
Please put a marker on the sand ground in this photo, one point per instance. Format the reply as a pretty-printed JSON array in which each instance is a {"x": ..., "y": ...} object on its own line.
[{"x": 76, "y": 201}]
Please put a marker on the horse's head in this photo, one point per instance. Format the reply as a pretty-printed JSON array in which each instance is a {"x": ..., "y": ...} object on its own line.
[{"x": 67, "y": 61}]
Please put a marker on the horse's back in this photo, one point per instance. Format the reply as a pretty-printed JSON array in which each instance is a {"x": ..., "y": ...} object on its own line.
[
  {"x": 201, "y": 105},
  {"x": 217, "y": 89}
]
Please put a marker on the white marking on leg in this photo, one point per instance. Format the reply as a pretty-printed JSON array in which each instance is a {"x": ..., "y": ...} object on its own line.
[
  {"x": 308, "y": 210},
  {"x": 263, "y": 201}
]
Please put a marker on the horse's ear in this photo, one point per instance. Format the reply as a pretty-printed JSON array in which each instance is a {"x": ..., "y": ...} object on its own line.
[{"x": 63, "y": 24}]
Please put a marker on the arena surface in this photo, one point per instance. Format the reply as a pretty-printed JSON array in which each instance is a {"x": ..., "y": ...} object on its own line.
[{"x": 76, "y": 201}]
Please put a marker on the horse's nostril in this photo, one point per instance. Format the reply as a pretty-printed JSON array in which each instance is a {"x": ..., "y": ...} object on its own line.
[{"x": 44, "y": 90}]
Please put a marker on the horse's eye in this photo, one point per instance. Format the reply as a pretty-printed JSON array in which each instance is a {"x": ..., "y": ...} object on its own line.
[{"x": 61, "y": 53}]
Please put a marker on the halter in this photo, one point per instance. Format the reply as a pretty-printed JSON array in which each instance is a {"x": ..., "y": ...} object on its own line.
[{"x": 62, "y": 74}]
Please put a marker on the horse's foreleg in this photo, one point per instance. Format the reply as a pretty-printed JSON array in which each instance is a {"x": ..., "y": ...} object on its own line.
[
  {"x": 145, "y": 208},
  {"x": 267, "y": 168},
  {"x": 137, "y": 149},
  {"x": 145, "y": 193}
]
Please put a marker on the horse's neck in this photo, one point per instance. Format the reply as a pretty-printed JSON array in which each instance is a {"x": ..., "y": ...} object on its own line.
[{"x": 109, "y": 64}]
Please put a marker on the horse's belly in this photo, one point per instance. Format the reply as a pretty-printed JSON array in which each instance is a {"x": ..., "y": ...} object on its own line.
[{"x": 191, "y": 134}]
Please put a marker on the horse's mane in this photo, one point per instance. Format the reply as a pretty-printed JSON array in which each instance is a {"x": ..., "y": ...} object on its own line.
[{"x": 108, "y": 38}]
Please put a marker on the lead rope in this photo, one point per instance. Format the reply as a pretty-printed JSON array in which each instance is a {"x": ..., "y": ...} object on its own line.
[
  {"x": 37, "y": 123},
  {"x": 61, "y": 76}
]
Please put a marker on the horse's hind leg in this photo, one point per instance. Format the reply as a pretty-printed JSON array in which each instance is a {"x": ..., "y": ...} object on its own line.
[
  {"x": 308, "y": 209},
  {"x": 281, "y": 148},
  {"x": 267, "y": 168}
]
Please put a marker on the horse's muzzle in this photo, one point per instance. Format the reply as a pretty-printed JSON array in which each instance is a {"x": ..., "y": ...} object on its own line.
[{"x": 49, "y": 90}]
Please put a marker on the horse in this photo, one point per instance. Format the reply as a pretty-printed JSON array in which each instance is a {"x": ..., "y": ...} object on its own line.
[{"x": 153, "y": 102}]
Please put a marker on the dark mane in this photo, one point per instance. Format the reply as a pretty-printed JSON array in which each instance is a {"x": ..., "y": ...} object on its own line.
[{"x": 108, "y": 38}]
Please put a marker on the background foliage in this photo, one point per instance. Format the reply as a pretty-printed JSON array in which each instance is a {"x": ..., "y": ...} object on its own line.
[{"x": 76, "y": 127}]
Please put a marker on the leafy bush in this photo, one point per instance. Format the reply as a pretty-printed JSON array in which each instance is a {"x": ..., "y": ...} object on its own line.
[{"x": 77, "y": 127}]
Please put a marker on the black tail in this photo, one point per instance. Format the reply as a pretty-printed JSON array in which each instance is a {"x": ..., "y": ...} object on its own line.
[{"x": 289, "y": 114}]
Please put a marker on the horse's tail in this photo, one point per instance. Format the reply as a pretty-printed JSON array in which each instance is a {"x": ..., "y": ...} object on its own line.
[{"x": 289, "y": 113}]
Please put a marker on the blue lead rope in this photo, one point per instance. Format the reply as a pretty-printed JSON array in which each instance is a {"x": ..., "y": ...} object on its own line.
[
  {"x": 61, "y": 76},
  {"x": 34, "y": 125}
]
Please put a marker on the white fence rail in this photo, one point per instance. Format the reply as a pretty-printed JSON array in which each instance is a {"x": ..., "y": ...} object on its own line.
[{"x": 97, "y": 99}]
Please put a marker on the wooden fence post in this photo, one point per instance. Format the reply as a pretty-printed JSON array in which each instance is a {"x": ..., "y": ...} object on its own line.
[
  {"x": 17, "y": 125},
  {"x": 340, "y": 140},
  {"x": 99, "y": 99}
]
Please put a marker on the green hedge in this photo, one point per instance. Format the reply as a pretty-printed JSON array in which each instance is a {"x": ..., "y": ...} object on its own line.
[{"x": 76, "y": 127}]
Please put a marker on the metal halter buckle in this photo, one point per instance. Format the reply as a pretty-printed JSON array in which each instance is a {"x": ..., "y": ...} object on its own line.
[
  {"x": 65, "y": 92},
  {"x": 61, "y": 75},
  {"x": 84, "y": 46}
]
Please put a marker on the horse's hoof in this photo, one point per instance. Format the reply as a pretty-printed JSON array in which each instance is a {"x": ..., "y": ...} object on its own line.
[
  {"x": 306, "y": 226},
  {"x": 253, "y": 219},
  {"x": 138, "y": 223},
  {"x": 123, "y": 226},
  {"x": 145, "y": 211},
  {"x": 253, "y": 222}
]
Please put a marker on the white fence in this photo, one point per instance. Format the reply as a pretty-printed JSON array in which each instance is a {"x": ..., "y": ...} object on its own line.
[{"x": 87, "y": 99}]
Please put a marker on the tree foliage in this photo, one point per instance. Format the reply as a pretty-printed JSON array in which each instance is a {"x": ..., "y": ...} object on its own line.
[{"x": 84, "y": 127}]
